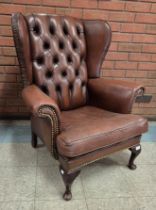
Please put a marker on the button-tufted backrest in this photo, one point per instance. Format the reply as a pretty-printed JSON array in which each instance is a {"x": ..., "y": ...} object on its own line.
[
  {"x": 58, "y": 58},
  {"x": 56, "y": 52}
]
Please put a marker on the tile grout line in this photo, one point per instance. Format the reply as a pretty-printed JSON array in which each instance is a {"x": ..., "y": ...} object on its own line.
[
  {"x": 36, "y": 180},
  {"x": 132, "y": 196},
  {"x": 84, "y": 192}
]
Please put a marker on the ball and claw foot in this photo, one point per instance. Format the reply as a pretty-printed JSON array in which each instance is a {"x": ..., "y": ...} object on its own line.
[
  {"x": 34, "y": 140},
  {"x": 68, "y": 180},
  {"x": 67, "y": 196},
  {"x": 135, "y": 151},
  {"x": 132, "y": 166}
]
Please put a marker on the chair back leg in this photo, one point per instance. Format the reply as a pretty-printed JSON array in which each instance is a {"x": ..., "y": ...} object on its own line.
[{"x": 135, "y": 151}]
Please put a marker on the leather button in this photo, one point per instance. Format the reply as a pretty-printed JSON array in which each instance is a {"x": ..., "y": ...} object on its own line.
[
  {"x": 64, "y": 73},
  {"x": 77, "y": 72},
  {"x": 36, "y": 29},
  {"x": 40, "y": 60},
  {"x": 46, "y": 45},
  {"x": 74, "y": 45},
  {"x": 55, "y": 60},
  {"x": 69, "y": 59},
  {"x": 61, "y": 45},
  {"x": 52, "y": 29},
  {"x": 58, "y": 88},
  {"x": 49, "y": 74},
  {"x": 65, "y": 29}
]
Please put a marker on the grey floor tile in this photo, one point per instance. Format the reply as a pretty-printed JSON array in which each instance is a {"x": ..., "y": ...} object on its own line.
[
  {"x": 44, "y": 158},
  {"x": 146, "y": 203},
  {"x": 17, "y": 205},
  {"x": 61, "y": 205},
  {"x": 148, "y": 153},
  {"x": 3, "y": 132},
  {"x": 17, "y": 183},
  {"x": 17, "y": 155},
  {"x": 49, "y": 185},
  {"x": 142, "y": 181},
  {"x": 15, "y": 131},
  {"x": 151, "y": 134},
  {"x": 112, "y": 204},
  {"x": 17, "y": 134},
  {"x": 14, "y": 122},
  {"x": 104, "y": 181}
]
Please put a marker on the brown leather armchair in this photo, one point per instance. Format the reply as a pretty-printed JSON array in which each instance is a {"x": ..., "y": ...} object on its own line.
[{"x": 79, "y": 116}]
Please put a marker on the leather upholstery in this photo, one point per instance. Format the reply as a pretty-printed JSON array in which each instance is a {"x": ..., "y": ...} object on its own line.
[
  {"x": 113, "y": 95},
  {"x": 22, "y": 43},
  {"x": 35, "y": 99},
  {"x": 60, "y": 58},
  {"x": 43, "y": 107},
  {"x": 98, "y": 38},
  {"x": 89, "y": 128},
  {"x": 43, "y": 128},
  {"x": 57, "y": 46},
  {"x": 74, "y": 163},
  {"x": 58, "y": 54}
]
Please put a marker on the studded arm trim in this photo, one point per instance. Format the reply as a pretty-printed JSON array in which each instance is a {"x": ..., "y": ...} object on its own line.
[
  {"x": 41, "y": 105},
  {"x": 50, "y": 113}
]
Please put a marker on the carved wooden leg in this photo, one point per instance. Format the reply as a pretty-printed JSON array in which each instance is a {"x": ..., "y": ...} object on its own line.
[
  {"x": 33, "y": 140},
  {"x": 68, "y": 180},
  {"x": 135, "y": 152}
]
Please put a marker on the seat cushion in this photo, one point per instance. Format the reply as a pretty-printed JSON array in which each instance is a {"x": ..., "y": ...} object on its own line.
[{"x": 88, "y": 128}]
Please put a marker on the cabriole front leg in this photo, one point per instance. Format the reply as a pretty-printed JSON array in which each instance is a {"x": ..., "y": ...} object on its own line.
[
  {"x": 135, "y": 151},
  {"x": 68, "y": 180}
]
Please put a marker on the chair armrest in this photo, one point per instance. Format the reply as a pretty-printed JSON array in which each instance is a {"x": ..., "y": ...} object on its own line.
[
  {"x": 38, "y": 102},
  {"x": 42, "y": 106},
  {"x": 113, "y": 95}
]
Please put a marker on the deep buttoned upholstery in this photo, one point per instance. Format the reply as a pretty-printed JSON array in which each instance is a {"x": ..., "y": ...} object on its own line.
[
  {"x": 58, "y": 54},
  {"x": 79, "y": 116}
]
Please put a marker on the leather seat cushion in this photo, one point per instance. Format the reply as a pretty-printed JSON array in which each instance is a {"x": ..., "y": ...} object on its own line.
[{"x": 88, "y": 128}]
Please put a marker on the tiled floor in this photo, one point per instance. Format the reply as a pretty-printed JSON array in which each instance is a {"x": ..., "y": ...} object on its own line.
[{"x": 29, "y": 178}]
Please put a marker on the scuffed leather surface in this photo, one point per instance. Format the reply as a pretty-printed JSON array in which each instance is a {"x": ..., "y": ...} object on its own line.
[
  {"x": 98, "y": 38},
  {"x": 113, "y": 95},
  {"x": 36, "y": 99},
  {"x": 58, "y": 58},
  {"x": 89, "y": 128}
]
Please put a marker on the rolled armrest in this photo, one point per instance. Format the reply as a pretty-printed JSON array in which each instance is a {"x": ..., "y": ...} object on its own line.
[
  {"x": 38, "y": 102},
  {"x": 113, "y": 95},
  {"x": 42, "y": 106}
]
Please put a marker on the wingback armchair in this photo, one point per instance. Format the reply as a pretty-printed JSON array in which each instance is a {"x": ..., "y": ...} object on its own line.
[{"x": 79, "y": 116}]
